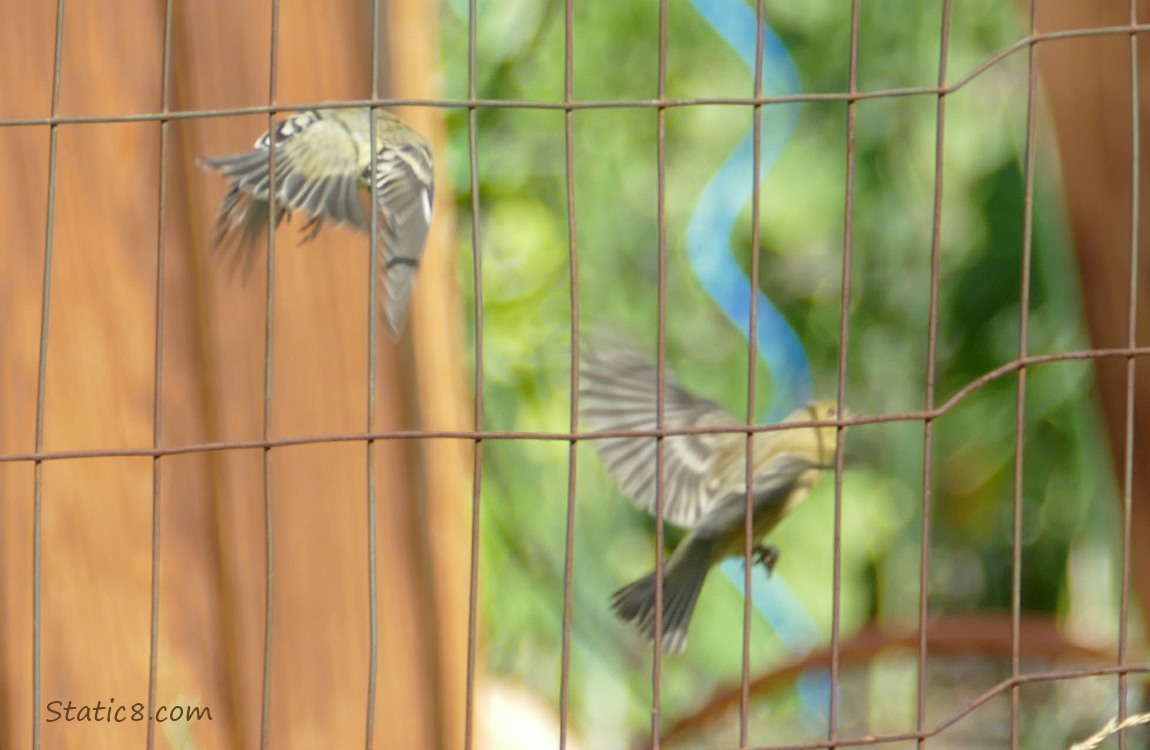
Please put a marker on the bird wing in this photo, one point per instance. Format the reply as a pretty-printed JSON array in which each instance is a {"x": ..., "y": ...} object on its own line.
[
  {"x": 618, "y": 392},
  {"x": 318, "y": 162},
  {"x": 404, "y": 176}
]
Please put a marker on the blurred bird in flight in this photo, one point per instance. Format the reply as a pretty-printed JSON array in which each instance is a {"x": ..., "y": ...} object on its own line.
[
  {"x": 704, "y": 477},
  {"x": 325, "y": 160}
]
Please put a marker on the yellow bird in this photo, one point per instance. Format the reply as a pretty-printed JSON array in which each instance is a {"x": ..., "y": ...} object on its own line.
[
  {"x": 704, "y": 477},
  {"x": 325, "y": 160}
]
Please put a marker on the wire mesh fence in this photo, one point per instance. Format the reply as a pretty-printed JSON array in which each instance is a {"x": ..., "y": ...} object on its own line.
[{"x": 324, "y": 535}]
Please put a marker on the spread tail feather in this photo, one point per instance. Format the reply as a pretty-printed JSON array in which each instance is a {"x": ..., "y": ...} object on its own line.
[{"x": 682, "y": 581}]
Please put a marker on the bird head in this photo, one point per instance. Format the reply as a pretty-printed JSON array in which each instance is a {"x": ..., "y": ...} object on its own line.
[{"x": 816, "y": 443}]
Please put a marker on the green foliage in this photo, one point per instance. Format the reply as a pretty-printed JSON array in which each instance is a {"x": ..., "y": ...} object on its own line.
[{"x": 525, "y": 257}]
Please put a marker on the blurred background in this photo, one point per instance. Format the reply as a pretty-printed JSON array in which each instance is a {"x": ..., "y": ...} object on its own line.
[{"x": 136, "y": 348}]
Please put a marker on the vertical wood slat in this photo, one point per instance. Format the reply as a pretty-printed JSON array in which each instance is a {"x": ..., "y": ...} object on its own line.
[
  {"x": 100, "y": 381},
  {"x": 444, "y": 400},
  {"x": 1087, "y": 83}
]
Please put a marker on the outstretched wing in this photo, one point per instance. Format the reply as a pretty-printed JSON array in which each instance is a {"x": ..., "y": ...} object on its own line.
[
  {"x": 618, "y": 392},
  {"x": 319, "y": 158}
]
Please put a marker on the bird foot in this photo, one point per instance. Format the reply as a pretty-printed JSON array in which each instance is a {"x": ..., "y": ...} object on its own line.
[{"x": 766, "y": 555}]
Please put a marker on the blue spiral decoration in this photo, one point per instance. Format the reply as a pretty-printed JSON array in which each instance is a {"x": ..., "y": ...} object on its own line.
[
  {"x": 779, "y": 347},
  {"x": 725, "y": 195}
]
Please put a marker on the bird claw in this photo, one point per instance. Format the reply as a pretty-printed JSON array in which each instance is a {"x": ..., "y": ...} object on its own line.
[{"x": 766, "y": 555}]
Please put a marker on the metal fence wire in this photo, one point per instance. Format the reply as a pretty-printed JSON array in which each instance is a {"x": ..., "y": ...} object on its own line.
[{"x": 264, "y": 433}]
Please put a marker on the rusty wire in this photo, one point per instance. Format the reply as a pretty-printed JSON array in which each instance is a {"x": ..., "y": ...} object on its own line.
[
  {"x": 660, "y": 104},
  {"x": 573, "y": 414},
  {"x": 752, "y": 380},
  {"x": 1124, "y": 352},
  {"x": 1028, "y": 168},
  {"x": 841, "y": 394},
  {"x": 41, "y": 389},
  {"x": 1131, "y": 336},
  {"x": 158, "y": 379},
  {"x": 477, "y": 417},
  {"x": 372, "y": 526},
  {"x": 660, "y": 380},
  {"x": 476, "y": 102},
  {"x": 266, "y": 453}
]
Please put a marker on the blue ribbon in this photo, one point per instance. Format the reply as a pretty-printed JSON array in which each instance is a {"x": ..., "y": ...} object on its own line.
[
  {"x": 725, "y": 195},
  {"x": 711, "y": 257}
]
